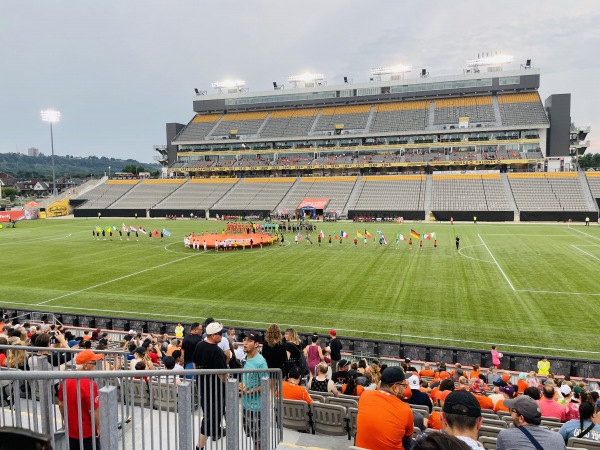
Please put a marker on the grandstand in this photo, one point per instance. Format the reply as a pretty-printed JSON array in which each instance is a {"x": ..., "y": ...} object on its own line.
[
  {"x": 147, "y": 194},
  {"x": 106, "y": 194}
]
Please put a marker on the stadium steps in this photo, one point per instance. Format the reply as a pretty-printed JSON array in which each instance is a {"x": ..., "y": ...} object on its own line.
[
  {"x": 168, "y": 196},
  {"x": 431, "y": 118},
  {"x": 298, "y": 180},
  {"x": 311, "y": 132},
  {"x": 587, "y": 192},
  {"x": 218, "y": 202},
  {"x": 356, "y": 191},
  {"x": 428, "y": 192},
  {"x": 370, "y": 120},
  {"x": 264, "y": 124},
  {"x": 497, "y": 115},
  {"x": 217, "y": 123},
  {"x": 509, "y": 193}
]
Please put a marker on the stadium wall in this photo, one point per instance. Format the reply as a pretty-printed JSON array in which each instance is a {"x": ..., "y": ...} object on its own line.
[
  {"x": 407, "y": 215},
  {"x": 240, "y": 212},
  {"x": 484, "y": 216},
  {"x": 558, "y": 107},
  {"x": 358, "y": 347},
  {"x": 110, "y": 212},
  {"x": 558, "y": 216}
]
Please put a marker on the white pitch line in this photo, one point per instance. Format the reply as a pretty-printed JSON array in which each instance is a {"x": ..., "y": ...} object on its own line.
[
  {"x": 583, "y": 232},
  {"x": 533, "y": 291},
  {"x": 115, "y": 279},
  {"x": 312, "y": 327},
  {"x": 470, "y": 257},
  {"x": 589, "y": 254},
  {"x": 491, "y": 254}
]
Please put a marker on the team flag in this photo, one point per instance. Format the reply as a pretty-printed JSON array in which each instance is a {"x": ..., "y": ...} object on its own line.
[
  {"x": 114, "y": 228},
  {"x": 300, "y": 236},
  {"x": 344, "y": 234},
  {"x": 125, "y": 228},
  {"x": 414, "y": 234},
  {"x": 427, "y": 237},
  {"x": 385, "y": 242},
  {"x": 132, "y": 228},
  {"x": 155, "y": 233},
  {"x": 433, "y": 235},
  {"x": 335, "y": 236},
  {"x": 141, "y": 230},
  {"x": 166, "y": 232},
  {"x": 368, "y": 234},
  {"x": 401, "y": 237},
  {"x": 322, "y": 234},
  {"x": 359, "y": 234}
]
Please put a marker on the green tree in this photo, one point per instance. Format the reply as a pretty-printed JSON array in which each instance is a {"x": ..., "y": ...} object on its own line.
[
  {"x": 9, "y": 192},
  {"x": 133, "y": 168}
]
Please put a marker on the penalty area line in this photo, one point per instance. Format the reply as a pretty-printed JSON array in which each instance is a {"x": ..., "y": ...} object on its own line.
[{"x": 115, "y": 279}]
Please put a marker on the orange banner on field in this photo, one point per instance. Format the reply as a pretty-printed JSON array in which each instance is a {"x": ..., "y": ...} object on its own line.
[{"x": 317, "y": 203}]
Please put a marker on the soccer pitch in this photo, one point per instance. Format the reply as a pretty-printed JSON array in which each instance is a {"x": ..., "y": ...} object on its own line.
[{"x": 524, "y": 287}]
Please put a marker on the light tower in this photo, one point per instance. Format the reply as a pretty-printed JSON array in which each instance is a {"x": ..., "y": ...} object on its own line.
[{"x": 52, "y": 116}]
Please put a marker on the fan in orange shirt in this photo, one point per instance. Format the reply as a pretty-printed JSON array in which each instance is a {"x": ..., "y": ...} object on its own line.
[
  {"x": 459, "y": 371},
  {"x": 446, "y": 385},
  {"x": 522, "y": 382},
  {"x": 427, "y": 372},
  {"x": 350, "y": 387},
  {"x": 478, "y": 389},
  {"x": 475, "y": 372},
  {"x": 434, "y": 420}
]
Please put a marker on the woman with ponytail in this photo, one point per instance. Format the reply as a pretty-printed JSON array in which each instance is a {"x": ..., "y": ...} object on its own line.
[{"x": 586, "y": 427}]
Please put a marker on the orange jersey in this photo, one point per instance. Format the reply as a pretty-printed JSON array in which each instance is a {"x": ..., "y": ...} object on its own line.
[
  {"x": 499, "y": 406},
  {"x": 434, "y": 421},
  {"x": 384, "y": 421},
  {"x": 474, "y": 374},
  {"x": 294, "y": 392},
  {"x": 427, "y": 373},
  {"x": 484, "y": 401}
]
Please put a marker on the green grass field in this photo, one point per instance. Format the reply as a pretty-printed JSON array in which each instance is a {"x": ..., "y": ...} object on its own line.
[{"x": 525, "y": 287}]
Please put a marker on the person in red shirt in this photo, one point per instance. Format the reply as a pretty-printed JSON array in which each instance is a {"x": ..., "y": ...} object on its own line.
[
  {"x": 384, "y": 421},
  {"x": 84, "y": 411}
]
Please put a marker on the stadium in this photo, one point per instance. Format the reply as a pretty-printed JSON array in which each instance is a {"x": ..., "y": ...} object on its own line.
[{"x": 368, "y": 165}]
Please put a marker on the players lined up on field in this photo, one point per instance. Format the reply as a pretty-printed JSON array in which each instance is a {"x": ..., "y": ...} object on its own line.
[
  {"x": 251, "y": 227},
  {"x": 126, "y": 232}
]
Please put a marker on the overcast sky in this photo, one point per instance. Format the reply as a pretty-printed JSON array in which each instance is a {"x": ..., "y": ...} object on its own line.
[{"x": 119, "y": 70}]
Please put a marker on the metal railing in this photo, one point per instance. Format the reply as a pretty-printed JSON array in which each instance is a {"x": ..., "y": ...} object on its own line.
[{"x": 157, "y": 409}]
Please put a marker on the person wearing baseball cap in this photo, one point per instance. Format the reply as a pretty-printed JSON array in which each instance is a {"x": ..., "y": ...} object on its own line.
[
  {"x": 208, "y": 355},
  {"x": 249, "y": 389},
  {"x": 527, "y": 434},
  {"x": 76, "y": 395},
  {"x": 341, "y": 376},
  {"x": 418, "y": 397},
  {"x": 384, "y": 420},
  {"x": 335, "y": 351},
  {"x": 461, "y": 417}
]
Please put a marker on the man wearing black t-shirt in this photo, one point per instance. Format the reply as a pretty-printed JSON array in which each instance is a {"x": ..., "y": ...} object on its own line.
[
  {"x": 189, "y": 344},
  {"x": 335, "y": 348},
  {"x": 341, "y": 376},
  {"x": 208, "y": 355}
]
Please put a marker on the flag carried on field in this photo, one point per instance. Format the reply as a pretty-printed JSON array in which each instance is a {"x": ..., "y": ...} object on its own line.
[
  {"x": 344, "y": 234},
  {"x": 414, "y": 234},
  {"x": 300, "y": 236},
  {"x": 166, "y": 232},
  {"x": 379, "y": 232},
  {"x": 308, "y": 239},
  {"x": 125, "y": 229},
  {"x": 133, "y": 229},
  {"x": 335, "y": 236},
  {"x": 322, "y": 234},
  {"x": 427, "y": 237},
  {"x": 368, "y": 234},
  {"x": 383, "y": 239},
  {"x": 155, "y": 233},
  {"x": 114, "y": 228},
  {"x": 359, "y": 234},
  {"x": 433, "y": 235},
  {"x": 98, "y": 229},
  {"x": 141, "y": 230},
  {"x": 401, "y": 237}
]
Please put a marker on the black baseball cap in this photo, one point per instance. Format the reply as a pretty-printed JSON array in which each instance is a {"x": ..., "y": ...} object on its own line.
[
  {"x": 252, "y": 336},
  {"x": 462, "y": 403},
  {"x": 343, "y": 363},
  {"x": 392, "y": 375}
]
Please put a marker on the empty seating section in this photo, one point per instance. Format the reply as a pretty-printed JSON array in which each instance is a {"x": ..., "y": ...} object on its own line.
[
  {"x": 593, "y": 179},
  {"x": 390, "y": 193},
  {"x": 105, "y": 194},
  {"x": 197, "y": 194},
  {"x": 244, "y": 123},
  {"x": 147, "y": 194},
  {"x": 477, "y": 109},
  {"x": 522, "y": 109},
  {"x": 256, "y": 194},
  {"x": 468, "y": 193},
  {"x": 289, "y": 123},
  {"x": 198, "y": 128},
  {"x": 400, "y": 116},
  {"x": 547, "y": 191},
  {"x": 352, "y": 117},
  {"x": 336, "y": 189}
]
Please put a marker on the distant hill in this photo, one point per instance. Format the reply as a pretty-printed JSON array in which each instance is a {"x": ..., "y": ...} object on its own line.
[{"x": 26, "y": 167}]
